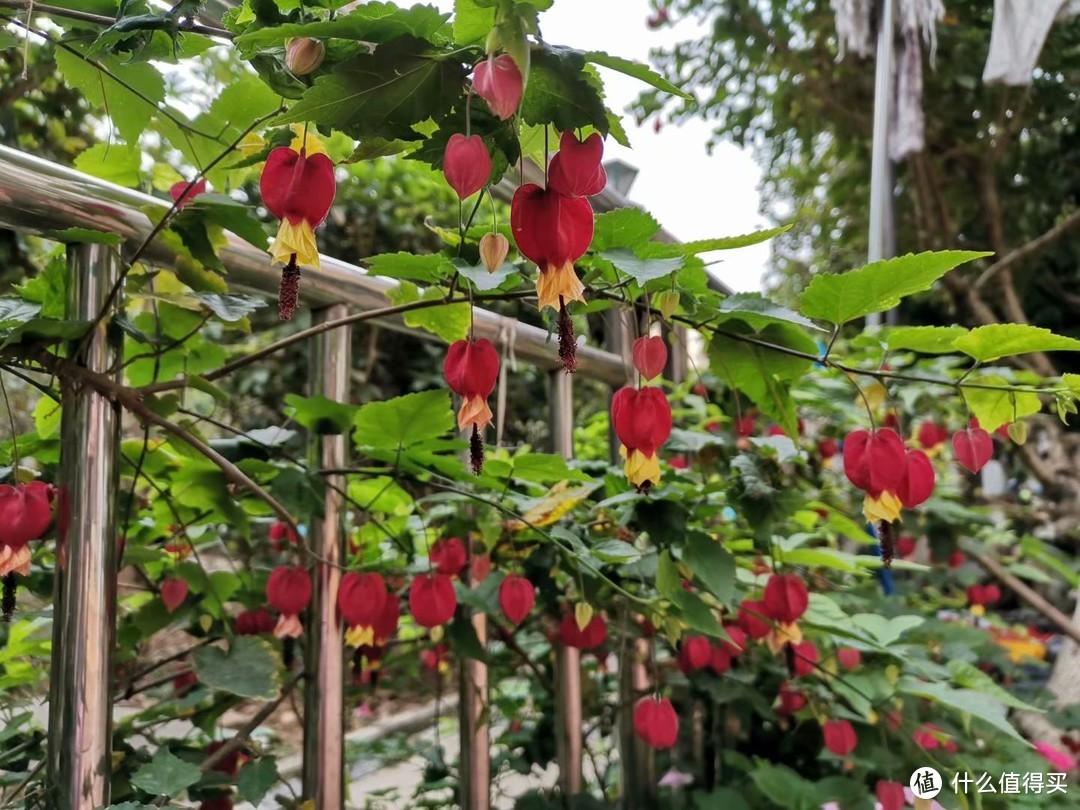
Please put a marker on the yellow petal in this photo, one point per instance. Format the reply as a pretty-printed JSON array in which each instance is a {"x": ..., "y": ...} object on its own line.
[
  {"x": 252, "y": 144},
  {"x": 886, "y": 507},
  {"x": 583, "y": 615},
  {"x": 474, "y": 411},
  {"x": 17, "y": 562},
  {"x": 783, "y": 634},
  {"x": 558, "y": 282},
  {"x": 360, "y": 636},
  {"x": 641, "y": 468},
  {"x": 298, "y": 239},
  {"x": 310, "y": 143}
]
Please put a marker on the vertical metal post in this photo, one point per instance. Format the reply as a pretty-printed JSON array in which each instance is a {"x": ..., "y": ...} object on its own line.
[
  {"x": 84, "y": 609},
  {"x": 473, "y": 725},
  {"x": 568, "y": 728},
  {"x": 881, "y": 174},
  {"x": 324, "y": 712}
]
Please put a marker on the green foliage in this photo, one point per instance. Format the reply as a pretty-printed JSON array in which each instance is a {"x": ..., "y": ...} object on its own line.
[
  {"x": 249, "y": 668},
  {"x": 166, "y": 775}
]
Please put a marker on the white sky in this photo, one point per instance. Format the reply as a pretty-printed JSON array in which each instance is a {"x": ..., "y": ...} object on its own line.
[{"x": 693, "y": 194}]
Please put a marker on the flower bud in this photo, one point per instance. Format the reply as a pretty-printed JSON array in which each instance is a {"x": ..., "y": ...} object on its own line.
[
  {"x": 498, "y": 81},
  {"x": 493, "y": 250},
  {"x": 303, "y": 55},
  {"x": 667, "y": 302}
]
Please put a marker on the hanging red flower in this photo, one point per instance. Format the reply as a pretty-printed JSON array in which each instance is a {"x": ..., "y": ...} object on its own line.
[
  {"x": 956, "y": 559},
  {"x": 655, "y": 722},
  {"x": 695, "y": 654},
  {"x": 930, "y": 435},
  {"x": 387, "y": 622},
  {"x": 288, "y": 591},
  {"x": 230, "y": 763},
  {"x": 432, "y": 600},
  {"x": 786, "y": 598},
  {"x": 983, "y": 594},
  {"x": 576, "y": 170},
  {"x": 874, "y": 460},
  {"x": 173, "y": 593},
  {"x": 25, "y": 514},
  {"x": 185, "y": 191},
  {"x": 973, "y": 448},
  {"x": 736, "y": 641},
  {"x": 280, "y": 533},
  {"x": 849, "y": 658},
  {"x": 790, "y": 699},
  {"x": 298, "y": 188},
  {"x": 642, "y": 421},
  {"x": 594, "y": 634},
  {"x": 498, "y": 81},
  {"x": 436, "y": 658},
  {"x": 917, "y": 483},
  {"x": 752, "y": 619},
  {"x": 466, "y": 164},
  {"x": 185, "y": 683},
  {"x": 890, "y": 795},
  {"x": 448, "y": 555},
  {"x": 802, "y": 658},
  {"x": 217, "y": 803},
  {"x": 650, "y": 357},
  {"x": 839, "y": 737},
  {"x": 471, "y": 370},
  {"x": 361, "y": 598},
  {"x": 720, "y": 659},
  {"x": 828, "y": 448},
  {"x": 254, "y": 622},
  {"x": 516, "y": 598}
]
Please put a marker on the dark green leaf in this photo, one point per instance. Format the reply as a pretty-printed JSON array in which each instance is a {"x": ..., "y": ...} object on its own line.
[
  {"x": 319, "y": 414},
  {"x": 376, "y": 22},
  {"x": 924, "y": 339},
  {"x": 256, "y": 778},
  {"x": 712, "y": 564},
  {"x": 615, "y": 551},
  {"x": 757, "y": 312},
  {"x": 463, "y": 640},
  {"x": 635, "y": 70},
  {"x": 560, "y": 93},
  {"x": 249, "y": 668},
  {"x": 166, "y": 775}
]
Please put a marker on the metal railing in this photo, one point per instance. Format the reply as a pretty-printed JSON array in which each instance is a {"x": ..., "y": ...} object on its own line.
[{"x": 40, "y": 197}]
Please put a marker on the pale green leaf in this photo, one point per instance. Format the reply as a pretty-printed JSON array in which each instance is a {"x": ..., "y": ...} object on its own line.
[
  {"x": 404, "y": 421},
  {"x": 166, "y": 775},
  {"x": 113, "y": 162},
  {"x": 999, "y": 405},
  {"x": 965, "y": 701},
  {"x": 924, "y": 339},
  {"x": 987, "y": 343},
  {"x": 641, "y": 270}
]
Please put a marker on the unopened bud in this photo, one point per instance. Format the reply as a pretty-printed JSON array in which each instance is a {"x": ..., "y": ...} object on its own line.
[
  {"x": 583, "y": 615},
  {"x": 667, "y": 303},
  {"x": 1018, "y": 432},
  {"x": 303, "y": 55},
  {"x": 493, "y": 250}
]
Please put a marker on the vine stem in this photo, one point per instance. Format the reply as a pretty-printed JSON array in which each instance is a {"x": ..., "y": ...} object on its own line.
[
  {"x": 100, "y": 19},
  {"x": 14, "y": 432}
]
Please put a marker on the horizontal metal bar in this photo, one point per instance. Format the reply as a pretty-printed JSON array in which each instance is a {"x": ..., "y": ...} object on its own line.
[{"x": 38, "y": 196}]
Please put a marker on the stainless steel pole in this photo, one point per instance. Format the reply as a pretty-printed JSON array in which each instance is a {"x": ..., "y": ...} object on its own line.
[
  {"x": 881, "y": 172},
  {"x": 568, "y": 727},
  {"x": 324, "y": 705},
  {"x": 474, "y": 730},
  {"x": 84, "y": 608}
]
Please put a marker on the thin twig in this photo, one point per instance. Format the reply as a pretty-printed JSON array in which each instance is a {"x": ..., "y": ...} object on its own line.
[{"x": 100, "y": 19}]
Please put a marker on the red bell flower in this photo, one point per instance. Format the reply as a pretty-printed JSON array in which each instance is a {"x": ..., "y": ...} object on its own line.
[
  {"x": 930, "y": 737},
  {"x": 288, "y": 591},
  {"x": 594, "y": 634},
  {"x": 655, "y": 722},
  {"x": 254, "y": 622},
  {"x": 553, "y": 231},
  {"x": 720, "y": 659},
  {"x": 361, "y": 598},
  {"x": 790, "y": 699},
  {"x": 874, "y": 461},
  {"x": 650, "y": 357},
  {"x": 498, "y": 81},
  {"x": 827, "y": 448},
  {"x": 222, "y": 802},
  {"x": 471, "y": 370},
  {"x": 930, "y": 435},
  {"x": 173, "y": 593},
  {"x": 432, "y": 600},
  {"x": 448, "y": 555},
  {"x": 435, "y": 658},
  {"x": 696, "y": 653},
  {"x": 905, "y": 546},
  {"x": 230, "y": 763},
  {"x": 849, "y": 658},
  {"x": 890, "y": 795},
  {"x": 185, "y": 191},
  {"x": 735, "y": 643},
  {"x": 298, "y": 188},
  {"x": 466, "y": 164},
  {"x": 983, "y": 594},
  {"x": 387, "y": 622},
  {"x": 917, "y": 483},
  {"x": 185, "y": 682},
  {"x": 786, "y": 598},
  {"x": 839, "y": 737},
  {"x": 25, "y": 514},
  {"x": 752, "y": 619},
  {"x": 576, "y": 170},
  {"x": 956, "y": 559},
  {"x": 803, "y": 658},
  {"x": 642, "y": 421},
  {"x": 516, "y": 598},
  {"x": 280, "y": 533},
  {"x": 973, "y": 448}
]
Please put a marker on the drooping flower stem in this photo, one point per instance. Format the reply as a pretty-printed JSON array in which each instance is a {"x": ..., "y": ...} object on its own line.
[
  {"x": 7, "y": 603},
  {"x": 886, "y": 541},
  {"x": 476, "y": 451},
  {"x": 289, "y": 292},
  {"x": 567, "y": 341}
]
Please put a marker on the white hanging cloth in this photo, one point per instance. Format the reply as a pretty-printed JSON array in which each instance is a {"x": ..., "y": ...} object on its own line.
[
  {"x": 1019, "y": 31},
  {"x": 852, "y": 27},
  {"x": 918, "y": 21}
]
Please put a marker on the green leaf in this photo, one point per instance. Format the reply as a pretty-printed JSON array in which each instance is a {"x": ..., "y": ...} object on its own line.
[
  {"x": 997, "y": 406},
  {"x": 404, "y": 421},
  {"x": 784, "y": 787},
  {"x": 712, "y": 564},
  {"x": 839, "y": 298},
  {"x": 559, "y": 92},
  {"x": 249, "y": 668},
  {"x": 215, "y": 209},
  {"x": 481, "y": 279},
  {"x": 641, "y": 270},
  {"x": 724, "y": 242},
  {"x": 615, "y": 551},
  {"x": 427, "y": 268},
  {"x": 320, "y": 414},
  {"x": 46, "y": 417},
  {"x": 472, "y": 21},
  {"x": 986, "y": 343},
  {"x": 16, "y": 311},
  {"x": 623, "y": 228},
  {"x": 166, "y": 775},
  {"x": 383, "y": 94},
  {"x": 924, "y": 339},
  {"x": 965, "y": 701},
  {"x": 113, "y": 162},
  {"x": 231, "y": 308},
  {"x": 129, "y": 109},
  {"x": 376, "y": 147},
  {"x": 370, "y": 22},
  {"x": 635, "y": 70},
  {"x": 450, "y": 322},
  {"x": 84, "y": 236},
  {"x": 969, "y": 676},
  {"x": 757, "y": 312},
  {"x": 381, "y": 494},
  {"x": 256, "y": 778},
  {"x": 545, "y": 468},
  {"x": 463, "y": 640},
  {"x": 885, "y": 631}
]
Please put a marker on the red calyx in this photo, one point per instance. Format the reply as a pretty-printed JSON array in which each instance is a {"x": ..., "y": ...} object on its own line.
[
  {"x": 983, "y": 594},
  {"x": 448, "y": 555},
  {"x": 497, "y": 80},
  {"x": 848, "y": 657},
  {"x": 288, "y": 591},
  {"x": 917, "y": 483},
  {"x": 516, "y": 598},
  {"x": 973, "y": 448},
  {"x": 790, "y": 699},
  {"x": 471, "y": 368},
  {"x": 642, "y": 418},
  {"x": 655, "y": 722},
  {"x": 930, "y": 435},
  {"x": 735, "y": 643},
  {"x": 839, "y": 737},
  {"x": 432, "y": 600},
  {"x": 890, "y": 795},
  {"x": 576, "y": 170},
  {"x": 173, "y": 593},
  {"x": 254, "y": 622},
  {"x": 786, "y": 598},
  {"x": 594, "y": 634},
  {"x": 387, "y": 622},
  {"x": 466, "y": 164},
  {"x": 696, "y": 653},
  {"x": 25, "y": 512},
  {"x": 874, "y": 461},
  {"x": 361, "y": 598},
  {"x": 827, "y": 448},
  {"x": 650, "y": 357},
  {"x": 551, "y": 229},
  {"x": 804, "y": 657},
  {"x": 298, "y": 187},
  {"x": 185, "y": 191},
  {"x": 752, "y": 619}
]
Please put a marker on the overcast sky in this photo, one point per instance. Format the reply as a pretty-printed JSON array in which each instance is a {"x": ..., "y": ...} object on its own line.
[{"x": 693, "y": 194}]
